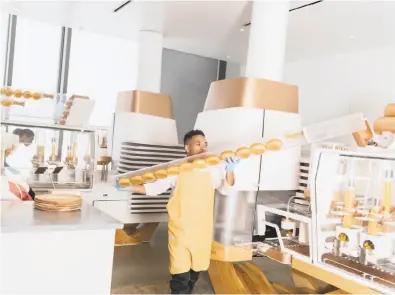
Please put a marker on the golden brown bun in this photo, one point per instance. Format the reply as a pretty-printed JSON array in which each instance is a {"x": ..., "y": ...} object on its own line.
[
  {"x": 199, "y": 163},
  {"x": 6, "y": 102},
  {"x": 8, "y": 92},
  {"x": 124, "y": 181},
  {"x": 213, "y": 160},
  {"x": 148, "y": 177},
  {"x": 136, "y": 180},
  {"x": 18, "y": 93},
  {"x": 173, "y": 170},
  {"x": 36, "y": 95},
  {"x": 258, "y": 148},
  {"x": 160, "y": 173},
  {"x": 243, "y": 153},
  {"x": 186, "y": 167},
  {"x": 226, "y": 154},
  {"x": 274, "y": 145},
  {"x": 27, "y": 94}
]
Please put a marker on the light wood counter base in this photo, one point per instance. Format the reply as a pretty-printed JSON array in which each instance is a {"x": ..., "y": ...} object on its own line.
[
  {"x": 135, "y": 236},
  {"x": 331, "y": 278}
]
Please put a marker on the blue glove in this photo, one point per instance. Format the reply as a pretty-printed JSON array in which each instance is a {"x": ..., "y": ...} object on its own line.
[
  {"x": 122, "y": 189},
  {"x": 231, "y": 163}
]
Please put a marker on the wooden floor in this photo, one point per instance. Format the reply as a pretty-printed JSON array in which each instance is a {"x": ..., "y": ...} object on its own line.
[{"x": 143, "y": 269}]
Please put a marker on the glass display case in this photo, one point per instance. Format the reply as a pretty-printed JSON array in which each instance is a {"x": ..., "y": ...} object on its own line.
[
  {"x": 353, "y": 216},
  {"x": 49, "y": 156}
]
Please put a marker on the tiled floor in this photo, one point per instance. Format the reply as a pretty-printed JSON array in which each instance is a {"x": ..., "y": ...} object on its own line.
[{"x": 143, "y": 269}]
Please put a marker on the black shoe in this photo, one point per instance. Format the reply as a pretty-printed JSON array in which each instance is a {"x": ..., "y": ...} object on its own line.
[{"x": 191, "y": 287}]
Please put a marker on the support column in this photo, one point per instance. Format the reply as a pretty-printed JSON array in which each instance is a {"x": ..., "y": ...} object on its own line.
[
  {"x": 150, "y": 61},
  {"x": 268, "y": 34}
]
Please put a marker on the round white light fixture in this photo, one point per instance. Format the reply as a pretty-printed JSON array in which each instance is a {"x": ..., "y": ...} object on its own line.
[
  {"x": 228, "y": 56},
  {"x": 241, "y": 29}
]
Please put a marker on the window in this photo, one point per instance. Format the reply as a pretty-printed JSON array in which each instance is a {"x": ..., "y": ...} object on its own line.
[
  {"x": 100, "y": 67},
  {"x": 3, "y": 43},
  {"x": 36, "y": 67},
  {"x": 36, "y": 59}
]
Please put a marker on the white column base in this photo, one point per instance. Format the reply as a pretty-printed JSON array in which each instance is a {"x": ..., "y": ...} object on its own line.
[
  {"x": 267, "y": 42},
  {"x": 150, "y": 61}
]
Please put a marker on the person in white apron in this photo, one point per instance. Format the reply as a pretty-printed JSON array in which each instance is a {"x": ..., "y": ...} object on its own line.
[
  {"x": 191, "y": 210},
  {"x": 13, "y": 182}
]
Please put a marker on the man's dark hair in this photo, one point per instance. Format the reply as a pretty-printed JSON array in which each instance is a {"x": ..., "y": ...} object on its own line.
[
  {"x": 28, "y": 133},
  {"x": 23, "y": 132},
  {"x": 188, "y": 136}
]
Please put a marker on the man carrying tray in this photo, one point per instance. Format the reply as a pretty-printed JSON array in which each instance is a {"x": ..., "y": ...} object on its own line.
[{"x": 190, "y": 210}]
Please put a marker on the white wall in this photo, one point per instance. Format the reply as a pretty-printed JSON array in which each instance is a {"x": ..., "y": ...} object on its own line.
[{"x": 340, "y": 84}]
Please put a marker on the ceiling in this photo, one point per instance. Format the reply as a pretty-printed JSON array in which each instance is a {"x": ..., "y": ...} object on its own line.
[{"x": 212, "y": 28}]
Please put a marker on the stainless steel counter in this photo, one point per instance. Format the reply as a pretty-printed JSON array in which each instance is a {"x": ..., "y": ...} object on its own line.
[{"x": 22, "y": 217}]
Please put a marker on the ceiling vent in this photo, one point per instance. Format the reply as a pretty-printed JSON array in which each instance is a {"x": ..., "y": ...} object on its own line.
[
  {"x": 122, "y": 6},
  {"x": 247, "y": 24}
]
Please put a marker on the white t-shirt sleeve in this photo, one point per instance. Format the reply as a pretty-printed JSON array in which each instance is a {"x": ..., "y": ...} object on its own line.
[
  {"x": 159, "y": 186},
  {"x": 219, "y": 180}
]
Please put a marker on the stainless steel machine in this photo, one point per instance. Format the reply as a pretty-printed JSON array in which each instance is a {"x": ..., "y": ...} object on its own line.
[{"x": 58, "y": 158}]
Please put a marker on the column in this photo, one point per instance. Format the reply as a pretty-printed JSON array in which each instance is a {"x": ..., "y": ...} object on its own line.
[
  {"x": 268, "y": 34},
  {"x": 266, "y": 53},
  {"x": 149, "y": 61}
]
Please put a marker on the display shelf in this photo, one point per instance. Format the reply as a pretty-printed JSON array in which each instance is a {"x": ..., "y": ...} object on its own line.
[{"x": 353, "y": 207}]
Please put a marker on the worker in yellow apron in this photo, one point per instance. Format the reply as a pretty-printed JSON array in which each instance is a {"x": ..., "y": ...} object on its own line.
[{"x": 191, "y": 210}]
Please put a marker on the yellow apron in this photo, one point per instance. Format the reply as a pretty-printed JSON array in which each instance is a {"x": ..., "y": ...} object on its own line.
[{"x": 190, "y": 226}]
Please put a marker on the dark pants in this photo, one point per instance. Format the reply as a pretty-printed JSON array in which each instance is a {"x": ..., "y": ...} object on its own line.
[{"x": 183, "y": 283}]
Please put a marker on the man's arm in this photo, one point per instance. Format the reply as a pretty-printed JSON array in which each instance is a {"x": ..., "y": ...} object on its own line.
[
  {"x": 230, "y": 178},
  {"x": 138, "y": 189},
  {"x": 151, "y": 189},
  {"x": 225, "y": 183}
]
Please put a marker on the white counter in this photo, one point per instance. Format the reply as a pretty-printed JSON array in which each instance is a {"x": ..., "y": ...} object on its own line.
[
  {"x": 49, "y": 253},
  {"x": 17, "y": 217}
]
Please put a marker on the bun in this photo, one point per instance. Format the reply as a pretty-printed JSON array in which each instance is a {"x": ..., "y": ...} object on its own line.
[
  {"x": 199, "y": 163},
  {"x": 123, "y": 182},
  {"x": 8, "y": 92},
  {"x": 6, "y": 102},
  {"x": 27, "y": 94},
  {"x": 243, "y": 152},
  {"x": 18, "y": 93},
  {"x": 149, "y": 177},
  {"x": 36, "y": 95},
  {"x": 213, "y": 160},
  {"x": 186, "y": 167},
  {"x": 136, "y": 180},
  {"x": 173, "y": 170},
  {"x": 227, "y": 154},
  {"x": 274, "y": 145},
  {"x": 160, "y": 173},
  {"x": 258, "y": 148}
]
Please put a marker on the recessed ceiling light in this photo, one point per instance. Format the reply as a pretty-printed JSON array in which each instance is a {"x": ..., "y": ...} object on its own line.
[
  {"x": 228, "y": 56},
  {"x": 352, "y": 37},
  {"x": 241, "y": 29}
]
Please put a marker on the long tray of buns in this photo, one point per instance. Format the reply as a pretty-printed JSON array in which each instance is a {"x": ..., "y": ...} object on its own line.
[{"x": 252, "y": 147}]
